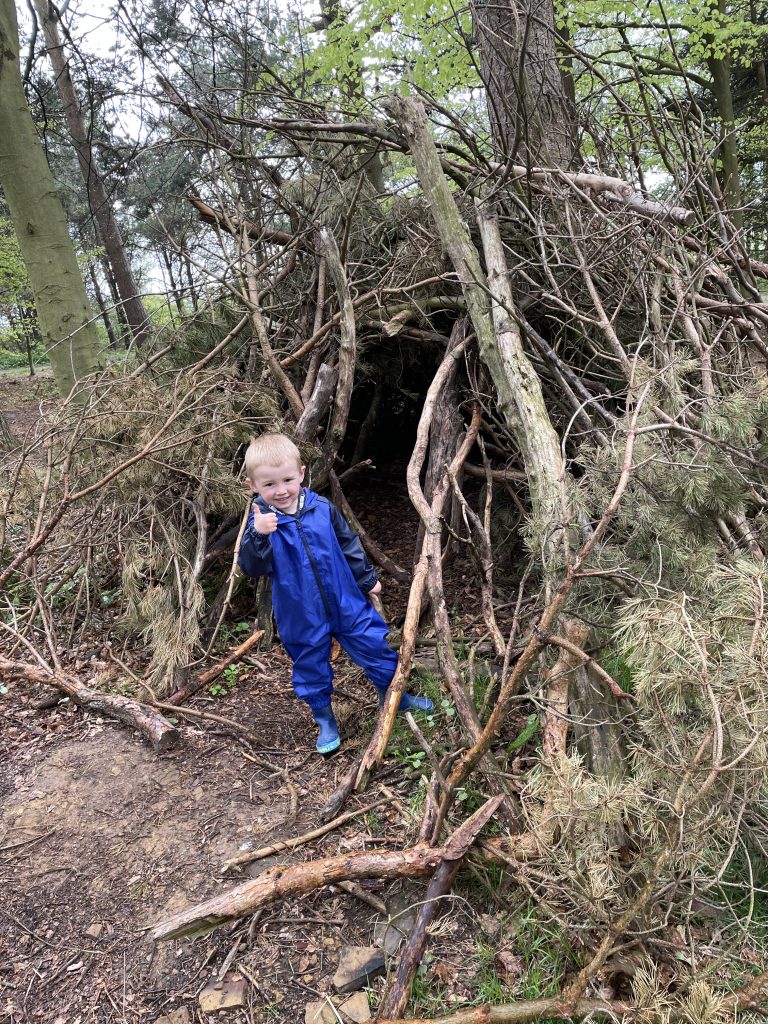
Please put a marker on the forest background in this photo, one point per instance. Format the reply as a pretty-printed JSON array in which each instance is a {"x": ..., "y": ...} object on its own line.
[{"x": 514, "y": 253}]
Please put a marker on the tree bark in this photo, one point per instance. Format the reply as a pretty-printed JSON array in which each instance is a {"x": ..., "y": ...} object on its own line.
[
  {"x": 445, "y": 433},
  {"x": 317, "y": 404},
  {"x": 100, "y": 206},
  {"x": 347, "y": 352},
  {"x": 281, "y": 882},
  {"x": 720, "y": 69},
  {"x": 7, "y": 440},
  {"x": 532, "y": 116},
  {"x": 63, "y": 309},
  {"x": 105, "y": 317},
  {"x": 157, "y": 729}
]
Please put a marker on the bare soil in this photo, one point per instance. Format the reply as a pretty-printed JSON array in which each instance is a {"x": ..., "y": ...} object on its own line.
[{"x": 100, "y": 837}]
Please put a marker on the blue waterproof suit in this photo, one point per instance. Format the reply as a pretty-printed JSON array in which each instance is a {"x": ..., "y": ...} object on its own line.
[{"x": 320, "y": 582}]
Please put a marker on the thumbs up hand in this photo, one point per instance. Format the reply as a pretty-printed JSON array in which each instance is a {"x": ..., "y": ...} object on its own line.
[{"x": 263, "y": 523}]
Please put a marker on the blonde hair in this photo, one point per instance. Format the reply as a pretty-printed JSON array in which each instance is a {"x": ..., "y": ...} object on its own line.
[{"x": 270, "y": 450}]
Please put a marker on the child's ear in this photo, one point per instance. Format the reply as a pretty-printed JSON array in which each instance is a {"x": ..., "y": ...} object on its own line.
[
  {"x": 249, "y": 484},
  {"x": 303, "y": 471}
]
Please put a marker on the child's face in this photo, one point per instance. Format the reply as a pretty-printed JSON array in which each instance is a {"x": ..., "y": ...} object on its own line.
[{"x": 279, "y": 485}]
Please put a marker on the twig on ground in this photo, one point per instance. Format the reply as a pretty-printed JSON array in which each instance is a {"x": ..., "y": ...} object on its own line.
[
  {"x": 207, "y": 677},
  {"x": 292, "y": 844},
  {"x": 365, "y": 897}
]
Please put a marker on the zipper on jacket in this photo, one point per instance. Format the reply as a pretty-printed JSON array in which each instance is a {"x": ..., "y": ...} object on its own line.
[{"x": 315, "y": 570}]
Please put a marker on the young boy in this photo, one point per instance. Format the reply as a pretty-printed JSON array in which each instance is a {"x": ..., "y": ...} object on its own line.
[{"x": 321, "y": 582}]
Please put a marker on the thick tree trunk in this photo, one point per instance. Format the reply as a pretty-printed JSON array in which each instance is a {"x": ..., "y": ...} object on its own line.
[
  {"x": 63, "y": 310},
  {"x": 532, "y": 116},
  {"x": 101, "y": 208}
]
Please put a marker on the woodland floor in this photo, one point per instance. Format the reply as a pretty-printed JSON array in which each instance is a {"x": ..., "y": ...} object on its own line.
[{"x": 100, "y": 837}]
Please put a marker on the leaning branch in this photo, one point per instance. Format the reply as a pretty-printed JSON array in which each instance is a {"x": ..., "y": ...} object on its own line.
[
  {"x": 186, "y": 691},
  {"x": 455, "y": 850}
]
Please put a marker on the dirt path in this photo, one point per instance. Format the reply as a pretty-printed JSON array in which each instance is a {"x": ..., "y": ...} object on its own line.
[{"x": 99, "y": 837}]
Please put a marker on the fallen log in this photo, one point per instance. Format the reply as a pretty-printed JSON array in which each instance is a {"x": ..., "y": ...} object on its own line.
[
  {"x": 149, "y": 723},
  {"x": 454, "y": 851},
  {"x": 282, "y": 882},
  {"x": 749, "y": 998},
  {"x": 520, "y": 1013}
]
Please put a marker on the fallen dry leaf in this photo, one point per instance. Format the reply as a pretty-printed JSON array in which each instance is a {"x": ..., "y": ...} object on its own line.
[{"x": 511, "y": 966}]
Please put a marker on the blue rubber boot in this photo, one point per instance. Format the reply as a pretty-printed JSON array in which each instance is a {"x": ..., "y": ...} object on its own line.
[
  {"x": 409, "y": 703},
  {"x": 329, "y": 739}
]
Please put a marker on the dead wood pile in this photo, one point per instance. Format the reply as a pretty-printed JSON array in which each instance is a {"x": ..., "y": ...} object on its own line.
[{"x": 592, "y": 430}]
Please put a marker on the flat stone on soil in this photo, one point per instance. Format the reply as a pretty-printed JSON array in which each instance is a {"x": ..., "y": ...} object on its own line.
[
  {"x": 390, "y": 934},
  {"x": 224, "y": 995},
  {"x": 402, "y": 917},
  {"x": 179, "y": 1016},
  {"x": 320, "y": 1012},
  {"x": 357, "y": 1008},
  {"x": 357, "y": 966}
]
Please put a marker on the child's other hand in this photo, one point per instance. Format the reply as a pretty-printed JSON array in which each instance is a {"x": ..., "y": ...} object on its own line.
[
  {"x": 376, "y": 589},
  {"x": 263, "y": 523}
]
